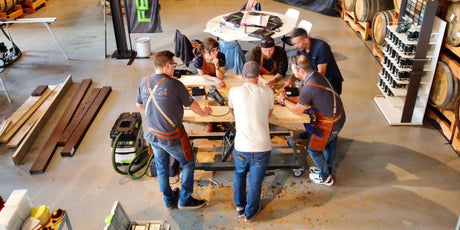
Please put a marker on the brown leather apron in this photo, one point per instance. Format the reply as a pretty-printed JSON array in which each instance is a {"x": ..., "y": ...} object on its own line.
[
  {"x": 324, "y": 123},
  {"x": 208, "y": 68},
  {"x": 178, "y": 133},
  {"x": 264, "y": 71}
]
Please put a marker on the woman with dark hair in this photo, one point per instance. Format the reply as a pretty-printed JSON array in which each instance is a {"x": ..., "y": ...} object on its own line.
[{"x": 211, "y": 62}]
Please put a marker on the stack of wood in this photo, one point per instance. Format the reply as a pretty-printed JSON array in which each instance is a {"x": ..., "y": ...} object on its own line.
[{"x": 23, "y": 126}]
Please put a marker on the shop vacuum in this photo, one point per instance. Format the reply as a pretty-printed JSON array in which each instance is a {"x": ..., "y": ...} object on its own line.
[{"x": 129, "y": 148}]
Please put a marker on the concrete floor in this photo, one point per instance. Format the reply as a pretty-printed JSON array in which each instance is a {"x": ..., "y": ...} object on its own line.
[{"x": 386, "y": 178}]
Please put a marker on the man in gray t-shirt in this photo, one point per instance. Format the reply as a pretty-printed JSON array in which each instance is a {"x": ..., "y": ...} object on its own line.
[
  {"x": 163, "y": 99},
  {"x": 318, "y": 96}
]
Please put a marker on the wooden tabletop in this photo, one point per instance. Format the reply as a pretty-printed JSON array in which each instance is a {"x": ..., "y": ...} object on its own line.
[{"x": 280, "y": 113}]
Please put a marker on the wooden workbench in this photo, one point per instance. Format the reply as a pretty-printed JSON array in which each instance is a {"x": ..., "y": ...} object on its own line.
[{"x": 281, "y": 115}]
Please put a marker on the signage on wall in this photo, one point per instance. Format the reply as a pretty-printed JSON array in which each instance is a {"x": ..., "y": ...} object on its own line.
[{"x": 143, "y": 16}]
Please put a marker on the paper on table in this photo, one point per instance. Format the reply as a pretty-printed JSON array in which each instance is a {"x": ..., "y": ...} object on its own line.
[
  {"x": 226, "y": 33},
  {"x": 258, "y": 20}
]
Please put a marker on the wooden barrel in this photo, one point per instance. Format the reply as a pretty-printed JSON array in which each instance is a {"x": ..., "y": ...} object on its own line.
[
  {"x": 379, "y": 26},
  {"x": 453, "y": 24},
  {"x": 349, "y": 5},
  {"x": 7, "y": 5},
  {"x": 445, "y": 87},
  {"x": 366, "y": 9},
  {"x": 397, "y": 4}
]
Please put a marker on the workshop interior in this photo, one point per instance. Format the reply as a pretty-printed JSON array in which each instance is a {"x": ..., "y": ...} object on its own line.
[{"x": 72, "y": 148}]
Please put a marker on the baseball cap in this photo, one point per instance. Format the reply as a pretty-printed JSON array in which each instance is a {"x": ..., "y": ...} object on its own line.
[
  {"x": 267, "y": 42},
  {"x": 251, "y": 69}
]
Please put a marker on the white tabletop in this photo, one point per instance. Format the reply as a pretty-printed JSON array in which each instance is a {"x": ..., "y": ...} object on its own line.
[{"x": 229, "y": 33}]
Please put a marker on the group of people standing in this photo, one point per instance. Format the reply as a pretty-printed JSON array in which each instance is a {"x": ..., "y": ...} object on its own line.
[{"x": 164, "y": 98}]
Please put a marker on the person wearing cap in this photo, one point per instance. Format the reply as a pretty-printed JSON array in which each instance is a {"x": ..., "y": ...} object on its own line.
[
  {"x": 252, "y": 105},
  {"x": 320, "y": 55},
  {"x": 272, "y": 60}
]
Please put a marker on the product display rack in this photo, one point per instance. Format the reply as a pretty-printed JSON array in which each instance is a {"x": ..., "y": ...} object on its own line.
[{"x": 408, "y": 68}]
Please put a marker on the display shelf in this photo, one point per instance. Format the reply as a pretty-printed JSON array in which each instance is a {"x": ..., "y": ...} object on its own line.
[
  {"x": 426, "y": 67},
  {"x": 395, "y": 63},
  {"x": 407, "y": 105},
  {"x": 429, "y": 55},
  {"x": 397, "y": 92},
  {"x": 398, "y": 80},
  {"x": 393, "y": 114},
  {"x": 434, "y": 38}
]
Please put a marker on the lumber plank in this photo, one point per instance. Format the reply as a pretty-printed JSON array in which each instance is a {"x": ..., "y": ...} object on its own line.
[
  {"x": 24, "y": 114},
  {"x": 44, "y": 157},
  {"x": 25, "y": 128},
  {"x": 4, "y": 125},
  {"x": 77, "y": 136},
  {"x": 24, "y": 147},
  {"x": 39, "y": 90},
  {"x": 78, "y": 116},
  {"x": 280, "y": 115}
]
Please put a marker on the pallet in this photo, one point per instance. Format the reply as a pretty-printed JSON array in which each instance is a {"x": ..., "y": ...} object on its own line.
[
  {"x": 377, "y": 52},
  {"x": 18, "y": 12},
  {"x": 445, "y": 119},
  {"x": 456, "y": 139},
  {"x": 339, "y": 8},
  {"x": 363, "y": 28},
  {"x": 454, "y": 49},
  {"x": 30, "y": 6}
]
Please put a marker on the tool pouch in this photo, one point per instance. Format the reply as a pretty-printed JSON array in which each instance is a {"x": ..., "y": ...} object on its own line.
[{"x": 185, "y": 142}]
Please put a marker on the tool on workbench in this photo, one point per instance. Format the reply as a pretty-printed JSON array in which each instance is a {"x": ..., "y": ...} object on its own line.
[{"x": 214, "y": 93}]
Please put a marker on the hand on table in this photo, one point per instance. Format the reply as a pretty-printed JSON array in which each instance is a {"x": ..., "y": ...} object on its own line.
[
  {"x": 281, "y": 98},
  {"x": 220, "y": 82},
  {"x": 207, "y": 110}
]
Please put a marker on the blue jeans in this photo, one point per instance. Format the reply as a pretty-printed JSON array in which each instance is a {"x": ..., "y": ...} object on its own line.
[
  {"x": 162, "y": 153},
  {"x": 324, "y": 160},
  {"x": 256, "y": 164}
]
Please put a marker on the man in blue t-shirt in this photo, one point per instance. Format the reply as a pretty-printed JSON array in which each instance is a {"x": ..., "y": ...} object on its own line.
[{"x": 321, "y": 58}]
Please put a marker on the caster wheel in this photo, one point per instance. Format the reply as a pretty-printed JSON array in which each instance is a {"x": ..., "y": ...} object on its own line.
[{"x": 298, "y": 172}]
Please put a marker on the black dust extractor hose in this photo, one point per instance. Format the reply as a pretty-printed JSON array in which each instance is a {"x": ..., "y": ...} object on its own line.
[{"x": 141, "y": 154}]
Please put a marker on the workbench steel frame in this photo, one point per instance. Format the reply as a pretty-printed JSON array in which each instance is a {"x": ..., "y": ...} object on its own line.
[{"x": 297, "y": 161}]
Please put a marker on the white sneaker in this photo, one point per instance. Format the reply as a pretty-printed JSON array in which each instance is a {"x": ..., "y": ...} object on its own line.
[
  {"x": 319, "y": 180},
  {"x": 314, "y": 169}
]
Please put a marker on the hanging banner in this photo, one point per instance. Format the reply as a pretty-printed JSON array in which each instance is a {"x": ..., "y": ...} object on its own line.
[{"x": 143, "y": 16}]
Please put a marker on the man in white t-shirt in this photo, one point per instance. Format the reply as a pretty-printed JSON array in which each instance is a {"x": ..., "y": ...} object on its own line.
[{"x": 252, "y": 106}]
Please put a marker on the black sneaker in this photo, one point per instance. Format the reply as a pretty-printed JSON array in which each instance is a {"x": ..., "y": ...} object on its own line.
[
  {"x": 193, "y": 203},
  {"x": 176, "y": 193},
  {"x": 240, "y": 213},
  {"x": 250, "y": 218}
]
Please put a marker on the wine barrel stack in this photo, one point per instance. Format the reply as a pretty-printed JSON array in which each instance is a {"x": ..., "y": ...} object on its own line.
[
  {"x": 11, "y": 9},
  {"x": 444, "y": 97}
]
